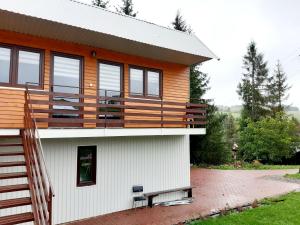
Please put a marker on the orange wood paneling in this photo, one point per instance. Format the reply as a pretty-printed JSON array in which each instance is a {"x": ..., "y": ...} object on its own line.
[{"x": 175, "y": 76}]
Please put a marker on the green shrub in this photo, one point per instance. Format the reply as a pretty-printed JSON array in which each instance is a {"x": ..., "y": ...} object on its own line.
[{"x": 269, "y": 140}]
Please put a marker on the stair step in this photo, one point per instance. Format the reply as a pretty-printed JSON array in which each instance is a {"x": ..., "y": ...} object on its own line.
[
  {"x": 12, "y": 188},
  {"x": 4, "y": 176},
  {"x": 10, "y": 164},
  {"x": 11, "y": 153},
  {"x": 9, "y": 203},
  {"x": 16, "y": 219},
  {"x": 10, "y": 136},
  {"x": 11, "y": 144}
]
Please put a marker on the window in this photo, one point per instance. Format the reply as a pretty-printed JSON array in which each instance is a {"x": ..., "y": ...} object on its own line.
[
  {"x": 86, "y": 165},
  {"x": 66, "y": 78},
  {"x": 153, "y": 83},
  {"x": 136, "y": 81},
  {"x": 5, "y": 60},
  {"x": 67, "y": 74},
  {"x": 110, "y": 79},
  {"x": 20, "y": 65},
  {"x": 145, "y": 82},
  {"x": 29, "y": 67}
]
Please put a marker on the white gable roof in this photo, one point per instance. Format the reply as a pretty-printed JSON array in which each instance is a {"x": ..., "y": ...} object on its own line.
[{"x": 81, "y": 23}]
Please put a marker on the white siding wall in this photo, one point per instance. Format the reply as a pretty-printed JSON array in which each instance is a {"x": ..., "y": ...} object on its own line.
[{"x": 157, "y": 163}]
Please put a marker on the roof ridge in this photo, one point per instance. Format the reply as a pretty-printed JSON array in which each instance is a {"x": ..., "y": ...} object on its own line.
[{"x": 120, "y": 14}]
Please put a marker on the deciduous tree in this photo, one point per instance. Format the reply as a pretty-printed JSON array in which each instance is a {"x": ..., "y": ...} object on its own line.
[{"x": 269, "y": 140}]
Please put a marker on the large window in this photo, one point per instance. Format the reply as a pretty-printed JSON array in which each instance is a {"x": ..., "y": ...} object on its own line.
[
  {"x": 110, "y": 79},
  {"x": 5, "y": 59},
  {"x": 86, "y": 165},
  {"x": 145, "y": 82},
  {"x": 67, "y": 73},
  {"x": 20, "y": 66},
  {"x": 29, "y": 67},
  {"x": 66, "y": 78}
]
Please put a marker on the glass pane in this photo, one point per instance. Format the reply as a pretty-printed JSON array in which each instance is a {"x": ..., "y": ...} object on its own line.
[
  {"x": 29, "y": 68},
  {"x": 110, "y": 86},
  {"x": 66, "y": 75},
  {"x": 66, "y": 79},
  {"x": 109, "y": 80},
  {"x": 5, "y": 54},
  {"x": 136, "y": 82},
  {"x": 86, "y": 157},
  {"x": 153, "y": 83}
]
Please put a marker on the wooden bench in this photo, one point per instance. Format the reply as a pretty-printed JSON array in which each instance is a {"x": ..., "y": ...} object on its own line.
[{"x": 151, "y": 195}]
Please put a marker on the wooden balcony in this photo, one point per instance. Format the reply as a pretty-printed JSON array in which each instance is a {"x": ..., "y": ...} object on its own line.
[{"x": 112, "y": 110}]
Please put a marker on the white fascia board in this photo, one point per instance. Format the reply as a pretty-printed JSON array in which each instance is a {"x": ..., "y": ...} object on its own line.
[
  {"x": 116, "y": 132},
  {"x": 7, "y": 132}
]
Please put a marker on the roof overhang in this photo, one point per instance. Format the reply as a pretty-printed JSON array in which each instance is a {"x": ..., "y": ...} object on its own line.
[{"x": 74, "y": 22}]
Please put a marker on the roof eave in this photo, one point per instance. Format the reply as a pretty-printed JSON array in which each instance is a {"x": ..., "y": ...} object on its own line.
[{"x": 48, "y": 29}]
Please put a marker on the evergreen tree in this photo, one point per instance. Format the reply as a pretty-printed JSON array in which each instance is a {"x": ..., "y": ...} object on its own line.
[
  {"x": 230, "y": 131},
  {"x": 252, "y": 88},
  {"x": 198, "y": 82},
  {"x": 180, "y": 24},
  {"x": 209, "y": 148},
  {"x": 277, "y": 89},
  {"x": 127, "y": 8},
  {"x": 100, "y": 3}
]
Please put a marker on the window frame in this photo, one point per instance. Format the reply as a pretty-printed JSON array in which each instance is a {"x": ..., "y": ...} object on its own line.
[
  {"x": 145, "y": 82},
  {"x": 81, "y": 74},
  {"x": 70, "y": 56},
  {"x": 112, "y": 63},
  {"x": 14, "y": 66},
  {"x": 93, "y": 169}
]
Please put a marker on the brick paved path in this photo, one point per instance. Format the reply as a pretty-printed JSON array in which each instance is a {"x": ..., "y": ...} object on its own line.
[{"x": 213, "y": 190}]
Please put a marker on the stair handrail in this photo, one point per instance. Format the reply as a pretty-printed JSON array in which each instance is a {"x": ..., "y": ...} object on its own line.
[{"x": 42, "y": 175}]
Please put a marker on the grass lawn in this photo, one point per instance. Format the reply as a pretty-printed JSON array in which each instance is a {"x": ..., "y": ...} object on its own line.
[
  {"x": 278, "y": 211},
  {"x": 249, "y": 166},
  {"x": 293, "y": 176}
]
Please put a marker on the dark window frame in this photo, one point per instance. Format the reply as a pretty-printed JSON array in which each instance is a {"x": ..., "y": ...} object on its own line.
[
  {"x": 113, "y": 63},
  {"x": 70, "y": 56},
  {"x": 81, "y": 79},
  {"x": 145, "y": 82},
  {"x": 93, "y": 169},
  {"x": 14, "y": 66}
]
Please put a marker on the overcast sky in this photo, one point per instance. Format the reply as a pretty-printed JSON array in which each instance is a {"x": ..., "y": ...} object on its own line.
[{"x": 227, "y": 27}]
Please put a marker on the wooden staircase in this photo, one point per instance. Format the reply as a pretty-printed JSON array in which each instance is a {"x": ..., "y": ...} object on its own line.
[{"x": 9, "y": 151}]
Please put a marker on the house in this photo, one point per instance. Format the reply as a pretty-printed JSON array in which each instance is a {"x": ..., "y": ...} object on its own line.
[{"x": 93, "y": 104}]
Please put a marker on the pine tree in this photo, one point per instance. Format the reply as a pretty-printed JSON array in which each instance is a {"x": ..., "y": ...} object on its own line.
[
  {"x": 277, "y": 89},
  {"x": 180, "y": 24},
  {"x": 100, "y": 3},
  {"x": 127, "y": 8},
  {"x": 252, "y": 88},
  {"x": 198, "y": 82},
  {"x": 209, "y": 148}
]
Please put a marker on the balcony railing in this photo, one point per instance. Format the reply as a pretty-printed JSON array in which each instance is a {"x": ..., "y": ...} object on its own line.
[{"x": 62, "y": 107}]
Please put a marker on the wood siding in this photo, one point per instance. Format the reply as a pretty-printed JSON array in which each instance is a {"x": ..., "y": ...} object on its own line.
[{"x": 175, "y": 77}]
